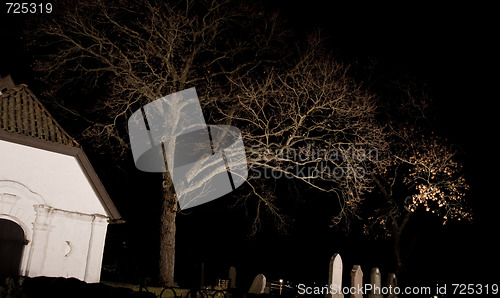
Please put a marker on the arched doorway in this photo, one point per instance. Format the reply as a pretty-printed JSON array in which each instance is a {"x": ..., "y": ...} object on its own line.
[{"x": 11, "y": 248}]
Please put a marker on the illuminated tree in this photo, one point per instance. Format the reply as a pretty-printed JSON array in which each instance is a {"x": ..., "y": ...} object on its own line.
[
  {"x": 423, "y": 176},
  {"x": 310, "y": 123}
]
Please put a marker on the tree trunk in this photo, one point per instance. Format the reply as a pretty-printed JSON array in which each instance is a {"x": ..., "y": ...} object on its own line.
[
  {"x": 398, "y": 231},
  {"x": 167, "y": 232},
  {"x": 397, "y": 253}
]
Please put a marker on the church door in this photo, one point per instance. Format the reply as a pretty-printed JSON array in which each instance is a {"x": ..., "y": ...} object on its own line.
[{"x": 11, "y": 248}]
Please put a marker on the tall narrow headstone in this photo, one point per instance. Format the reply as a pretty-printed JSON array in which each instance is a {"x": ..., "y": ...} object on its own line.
[
  {"x": 232, "y": 277},
  {"x": 202, "y": 275},
  {"x": 356, "y": 282},
  {"x": 335, "y": 277},
  {"x": 392, "y": 282},
  {"x": 376, "y": 282},
  {"x": 258, "y": 285}
]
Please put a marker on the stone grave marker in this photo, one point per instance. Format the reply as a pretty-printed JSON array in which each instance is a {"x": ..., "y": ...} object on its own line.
[
  {"x": 232, "y": 277},
  {"x": 376, "y": 282},
  {"x": 258, "y": 285},
  {"x": 392, "y": 282},
  {"x": 335, "y": 277},
  {"x": 356, "y": 282},
  {"x": 202, "y": 275}
]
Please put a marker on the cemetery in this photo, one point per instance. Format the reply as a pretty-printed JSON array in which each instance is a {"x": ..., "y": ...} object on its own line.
[{"x": 335, "y": 288}]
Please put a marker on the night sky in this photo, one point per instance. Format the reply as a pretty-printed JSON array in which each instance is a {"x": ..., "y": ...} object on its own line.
[{"x": 451, "y": 48}]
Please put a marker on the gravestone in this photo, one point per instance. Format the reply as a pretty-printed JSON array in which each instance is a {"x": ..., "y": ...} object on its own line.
[
  {"x": 392, "y": 282},
  {"x": 258, "y": 285},
  {"x": 232, "y": 277},
  {"x": 356, "y": 282},
  {"x": 202, "y": 276},
  {"x": 335, "y": 277},
  {"x": 376, "y": 282}
]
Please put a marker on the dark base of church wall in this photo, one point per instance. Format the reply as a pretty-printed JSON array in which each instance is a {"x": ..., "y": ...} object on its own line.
[{"x": 58, "y": 287}]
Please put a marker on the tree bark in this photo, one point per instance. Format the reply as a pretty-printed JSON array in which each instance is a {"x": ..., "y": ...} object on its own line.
[
  {"x": 167, "y": 232},
  {"x": 397, "y": 253},
  {"x": 397, "y": 242}
]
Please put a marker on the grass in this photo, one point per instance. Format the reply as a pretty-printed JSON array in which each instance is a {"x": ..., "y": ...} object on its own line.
[{"x": 155, "y": 290}]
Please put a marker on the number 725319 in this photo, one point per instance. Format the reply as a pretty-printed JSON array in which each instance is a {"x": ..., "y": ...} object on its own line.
[{"x": 29, "y": 8}]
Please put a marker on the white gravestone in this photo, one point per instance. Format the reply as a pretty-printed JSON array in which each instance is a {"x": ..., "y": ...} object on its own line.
[
  {"x": 335, "y": 277},
  {"x": 258, "y": 285}
]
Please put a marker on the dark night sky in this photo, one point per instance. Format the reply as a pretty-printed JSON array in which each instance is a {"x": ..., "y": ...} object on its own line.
[{"x": 450, "y": 48}]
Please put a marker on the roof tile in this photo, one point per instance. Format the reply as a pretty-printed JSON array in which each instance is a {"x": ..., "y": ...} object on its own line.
[{"x": 21, "y": 112}]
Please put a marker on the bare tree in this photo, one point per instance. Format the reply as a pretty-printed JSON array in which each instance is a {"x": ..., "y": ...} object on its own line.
[
  {"x": 306, "y": 120},
  {"x": 310, "y": 122},
  {"x": 140, "y": 51}
]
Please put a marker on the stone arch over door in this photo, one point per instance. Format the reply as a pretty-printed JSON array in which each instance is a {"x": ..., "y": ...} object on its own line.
[
  {"x": 11, "y": 248},
  {"x": 17, "y": 205}
]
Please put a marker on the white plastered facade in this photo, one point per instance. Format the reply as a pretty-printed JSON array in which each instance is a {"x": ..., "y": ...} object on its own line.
[{"x": 51, "y": 198}]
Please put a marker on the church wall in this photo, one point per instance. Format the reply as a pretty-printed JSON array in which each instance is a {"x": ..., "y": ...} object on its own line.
[
  {"x": 57, "y": 177},
  {"x": 49, "y": 196}
]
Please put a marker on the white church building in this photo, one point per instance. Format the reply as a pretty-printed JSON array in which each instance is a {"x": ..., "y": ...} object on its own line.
[{"x": 54, "y": 210}]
